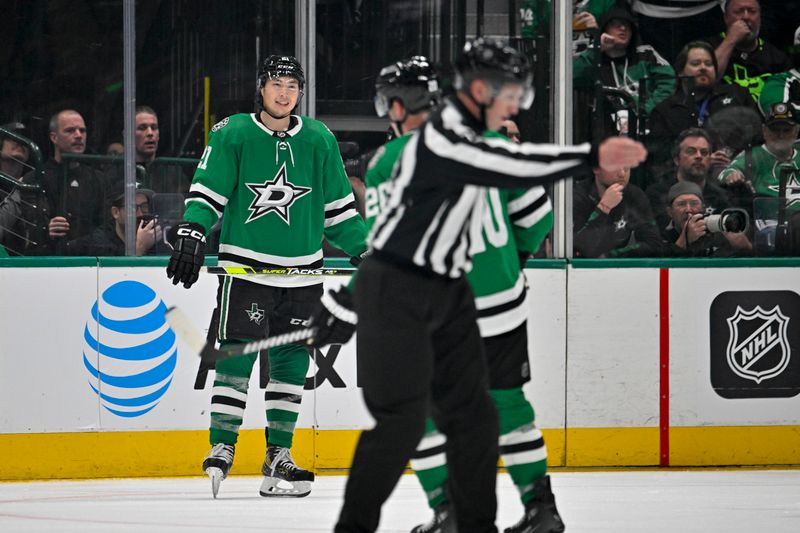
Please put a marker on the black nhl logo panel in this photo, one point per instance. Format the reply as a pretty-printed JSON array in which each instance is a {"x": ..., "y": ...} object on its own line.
[{"x": 755, "y": 344}]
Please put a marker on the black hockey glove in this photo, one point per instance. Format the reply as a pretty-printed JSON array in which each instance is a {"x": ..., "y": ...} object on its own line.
[
  {"x": 356, "y": 259},
  {"x": 188, "y": 242},
  {"x": 334, "y": 318}
]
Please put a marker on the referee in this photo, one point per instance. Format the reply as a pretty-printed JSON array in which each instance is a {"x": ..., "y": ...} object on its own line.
[{"x": 419, "y": 348}]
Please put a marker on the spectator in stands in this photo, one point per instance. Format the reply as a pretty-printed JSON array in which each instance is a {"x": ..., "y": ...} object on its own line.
[
  {"x": 743, "y": 56},
  {"x": 13, "y": 155},
  {"x": 687, "y": 233},
  {"x": 669, "y": 25},
  {"x": 698, "y": 97},
  {"x": 623, "y": 63},
  {"x": 115, "y": 148},
  {"x": 147, "y": 134},
  {"x": 784, "y": 86},
  {"x": 109, "y": 240},
  {"x": 171, "y": 177},
  {"x": 691, "y": 155},
  {"x": 762, "y": 168},
  {"x": 612, "y": 218},
  {"x": 75, "y": 192}
]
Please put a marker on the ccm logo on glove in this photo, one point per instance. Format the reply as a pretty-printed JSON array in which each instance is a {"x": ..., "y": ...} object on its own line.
[{"x": 193, "y": 233}]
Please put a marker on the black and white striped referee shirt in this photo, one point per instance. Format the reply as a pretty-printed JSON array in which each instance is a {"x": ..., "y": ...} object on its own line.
[{"x": 433, "y": 216}]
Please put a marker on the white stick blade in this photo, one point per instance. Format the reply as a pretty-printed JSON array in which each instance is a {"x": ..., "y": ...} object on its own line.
[{"x": 184, "y": 329}]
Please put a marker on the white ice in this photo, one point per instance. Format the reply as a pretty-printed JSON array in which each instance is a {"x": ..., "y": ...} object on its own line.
[{"x": 708, "y": 501}]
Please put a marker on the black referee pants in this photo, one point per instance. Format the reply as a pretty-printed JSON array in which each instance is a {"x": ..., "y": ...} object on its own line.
[{"x": 420, "y": 352}]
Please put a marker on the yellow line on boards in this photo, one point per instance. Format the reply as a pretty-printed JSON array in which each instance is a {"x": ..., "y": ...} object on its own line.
[{"x": 110, "y": 454}]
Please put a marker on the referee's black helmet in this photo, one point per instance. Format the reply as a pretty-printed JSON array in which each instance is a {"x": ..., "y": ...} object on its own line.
[
  {"x": 412, "y": 81},
  {"x": 494, "y": 61}
]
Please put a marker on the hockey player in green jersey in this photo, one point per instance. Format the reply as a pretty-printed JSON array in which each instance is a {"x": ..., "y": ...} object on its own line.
[
  {"x": 280, "y": 182},
  {"x": 514, "y": 225}
]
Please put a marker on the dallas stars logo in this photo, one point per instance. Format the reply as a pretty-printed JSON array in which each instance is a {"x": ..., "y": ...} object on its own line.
[
  {"x": 276, "y": 195},
  {"x": 254, "y": 313},
  {"x": 792, "y": 188}
]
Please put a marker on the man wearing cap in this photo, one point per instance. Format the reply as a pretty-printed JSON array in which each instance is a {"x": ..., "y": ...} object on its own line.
[
  {"x": 688, "y": 233},
  {"x": 109, "y": 240},
  {"x": 13, "y": 155},
  {"x": 624, "y": 62},
  {"x": 22, "y": 222},
  {"x": 767, "y": 161}
]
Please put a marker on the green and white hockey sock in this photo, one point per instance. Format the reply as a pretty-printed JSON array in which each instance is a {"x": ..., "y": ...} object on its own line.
[
  {"x": 430, "y": 464},
  {"x": 229, "y": 398},
  {"x": 521, "y": 443},
  {"x": 282, "y": 402}
]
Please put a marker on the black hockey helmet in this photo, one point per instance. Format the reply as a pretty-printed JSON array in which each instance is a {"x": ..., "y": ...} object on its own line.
[
  {"x": 494, "y": 61},
  {"x": 412, "y": 81},
  {"x": 275, "y": 66}
]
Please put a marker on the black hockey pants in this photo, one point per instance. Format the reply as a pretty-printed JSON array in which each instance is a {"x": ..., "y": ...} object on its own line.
[{"x": 420, "y": 352}]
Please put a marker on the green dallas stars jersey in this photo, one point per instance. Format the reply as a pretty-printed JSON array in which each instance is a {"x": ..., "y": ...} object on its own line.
[
  {"x": 514, "y": 220},
  {"x": 280, "y": 193},
  {"x": 765, "y": 177}
]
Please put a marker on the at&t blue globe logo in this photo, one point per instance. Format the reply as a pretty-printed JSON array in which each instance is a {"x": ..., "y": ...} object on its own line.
[{"x": 129, "y": 350}]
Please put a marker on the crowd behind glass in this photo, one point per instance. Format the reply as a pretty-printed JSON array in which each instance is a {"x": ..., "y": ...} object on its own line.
[{"x": 720, "y": 117}]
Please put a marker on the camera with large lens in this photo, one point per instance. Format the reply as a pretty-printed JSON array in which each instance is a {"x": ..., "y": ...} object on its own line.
[{"x": 732, "y": 220}]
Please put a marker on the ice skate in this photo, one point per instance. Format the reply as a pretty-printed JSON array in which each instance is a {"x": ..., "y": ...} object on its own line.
[
  {"x": 217, "y": 464},
  {"x": 282, "y": 477},
  {"x": 443, "y": 521},
  {"x": 541, "y": 515}
]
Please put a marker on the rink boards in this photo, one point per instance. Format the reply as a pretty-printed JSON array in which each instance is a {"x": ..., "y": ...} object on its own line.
[{"x": 633, "y": 364}]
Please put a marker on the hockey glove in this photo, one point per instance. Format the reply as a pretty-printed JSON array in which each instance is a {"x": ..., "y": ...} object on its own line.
[
  {"x": 357, "y": 259},
  {"x": 334, "y": 318},
  {"x": 188, "y": 251}
]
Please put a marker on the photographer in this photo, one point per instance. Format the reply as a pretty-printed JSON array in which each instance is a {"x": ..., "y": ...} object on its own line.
[
  {"x": 692, "y": 234},
  {"x": 109, "y": 240}
]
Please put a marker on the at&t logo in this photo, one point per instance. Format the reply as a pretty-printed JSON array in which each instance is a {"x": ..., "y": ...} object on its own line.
[{"x": 129, "y": 352}]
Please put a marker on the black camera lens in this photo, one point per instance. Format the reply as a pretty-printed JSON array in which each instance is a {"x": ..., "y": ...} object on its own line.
[{"x": 735, "y": 222}]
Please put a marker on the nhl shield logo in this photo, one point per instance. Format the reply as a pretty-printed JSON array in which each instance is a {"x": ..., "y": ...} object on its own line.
[
  {"x": 758, "y": 346},
  {"x": 753, "y": 335}
]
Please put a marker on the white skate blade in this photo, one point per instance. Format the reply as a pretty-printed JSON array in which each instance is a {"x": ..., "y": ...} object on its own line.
[
  {"x": 216, "y": 479},
  {"x": 272, "y": 487}
]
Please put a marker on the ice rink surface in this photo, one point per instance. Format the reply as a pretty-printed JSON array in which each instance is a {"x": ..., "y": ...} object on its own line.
[{"x": 724, "y": 501}]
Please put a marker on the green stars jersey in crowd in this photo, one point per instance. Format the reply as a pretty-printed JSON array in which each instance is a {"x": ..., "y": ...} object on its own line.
[
  {"x": 515, "y": 221},
  {"x": 764, "y": 173},
  {"x": 280, "y": 193}
]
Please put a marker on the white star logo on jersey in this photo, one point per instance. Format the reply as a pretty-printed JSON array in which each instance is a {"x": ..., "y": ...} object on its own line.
[
  {"x": 621, "y": 223},
  {"x": 276, "y": 195},
  {"x": 792, "y": 190}
]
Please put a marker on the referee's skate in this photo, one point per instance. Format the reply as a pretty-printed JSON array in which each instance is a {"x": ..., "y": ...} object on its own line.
[{"x": 282, "y": 477}]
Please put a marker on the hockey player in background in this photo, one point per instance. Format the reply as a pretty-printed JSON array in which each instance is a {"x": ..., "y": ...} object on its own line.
[
  {"x": 515, "y": 223},
  {"x": 280, "y": 182},
  {"x": 419, "y": 346}
]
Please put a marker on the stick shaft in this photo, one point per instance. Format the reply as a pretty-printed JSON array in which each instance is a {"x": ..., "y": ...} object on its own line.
[{"x": 250, "y": 271}]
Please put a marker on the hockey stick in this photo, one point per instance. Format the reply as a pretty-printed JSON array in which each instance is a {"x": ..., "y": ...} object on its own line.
[
  {"x": 289, "y": 271},
  {"x": 184, "y": 329}
]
